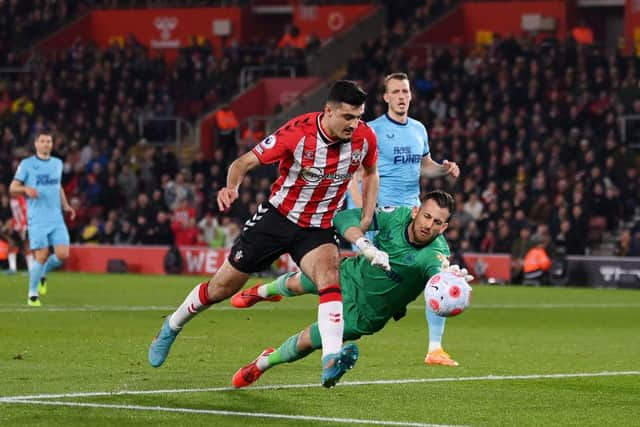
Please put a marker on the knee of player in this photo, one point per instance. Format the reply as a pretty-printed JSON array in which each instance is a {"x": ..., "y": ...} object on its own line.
[{"x": 326, "y": 278}]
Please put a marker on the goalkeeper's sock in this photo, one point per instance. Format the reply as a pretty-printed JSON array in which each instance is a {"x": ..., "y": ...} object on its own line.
[
  {"x": 194, "y": 303},
  {"x": 436, "y": 329},
  {"x": 35, "y": 274},
  {"x": 287, "y": 352},
  {"x": 276, "y": 287}
]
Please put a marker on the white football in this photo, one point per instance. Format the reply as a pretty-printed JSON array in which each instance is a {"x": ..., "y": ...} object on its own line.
[{"x": 447, "y": 294}]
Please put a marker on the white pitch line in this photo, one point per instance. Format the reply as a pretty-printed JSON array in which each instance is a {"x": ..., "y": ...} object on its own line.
[
  {"x": 316, "y": 385},
  {"x": 231, "y": 413},
  {"x": 269, "y": 307}
]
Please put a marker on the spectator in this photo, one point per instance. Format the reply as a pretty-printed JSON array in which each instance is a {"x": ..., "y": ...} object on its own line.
[
  {"x": 537, "y": 263},
  {"x": 226, "y": 126},
  {"x": 163, "y": 232},
  {"x": 211, "y": 231},
  {"x": 519, "y": 249},
  {"x": 293, "y": 38}
]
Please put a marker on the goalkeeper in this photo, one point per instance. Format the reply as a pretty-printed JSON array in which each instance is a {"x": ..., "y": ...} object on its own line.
[{"x": 377, "y": 284}]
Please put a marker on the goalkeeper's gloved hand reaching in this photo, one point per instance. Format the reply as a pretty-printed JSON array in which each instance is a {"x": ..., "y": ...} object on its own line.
[
  {"x": 377, "y": 257},
  {"x": 445, "y": 265}
]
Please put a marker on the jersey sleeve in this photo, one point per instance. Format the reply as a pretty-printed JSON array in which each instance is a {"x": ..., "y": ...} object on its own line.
[
  {"x": 433, "y": 264},
  {"x": 21, "y": 173},
  {"x": 347, "y": 218},
  {"x": 371, "y": 158},
  {"x": 425, "y": 138},
  {"x": 386, "y": 216},
  {"x": 272, "y": 149}
]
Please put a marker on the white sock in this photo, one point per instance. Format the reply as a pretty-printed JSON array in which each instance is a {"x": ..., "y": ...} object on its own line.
[
  {"x": 263, "y": 363},
  {"x": 29, "y": 258},
  {"x": 433, "y": 346},
  {"x": 331, "y": 326},
  {"x": 262, "y": 291},
  {"x": 13, "y": 265},
  {"x": 196, "y": 301}
]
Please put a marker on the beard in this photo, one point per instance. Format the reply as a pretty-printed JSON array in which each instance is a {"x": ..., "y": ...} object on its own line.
[{"x": 417, "y": 234}]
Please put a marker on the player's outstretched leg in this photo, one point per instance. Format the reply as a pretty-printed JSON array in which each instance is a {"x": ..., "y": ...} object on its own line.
[
  {"x": 334, "y": 366},
  {"x": 196, "y": 301},
  {"x": 249, "y": 297},
  {"x": 285, "y": 285},
  {"x": 250, "y": 373},
  {"x": 161, "y": 344},
  {"x": 436, "y": 355},
  {"x": 294, "y": 348}
]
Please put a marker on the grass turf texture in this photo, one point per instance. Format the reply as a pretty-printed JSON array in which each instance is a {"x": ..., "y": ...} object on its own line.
[{"x": 93, "y": 331}]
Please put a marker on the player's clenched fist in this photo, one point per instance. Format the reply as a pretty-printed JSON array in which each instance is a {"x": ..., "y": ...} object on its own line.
[
  {"x": 31, "y": 192},
  {"x": 226, "y": 197},
  {"x": 451, "y": 168}
]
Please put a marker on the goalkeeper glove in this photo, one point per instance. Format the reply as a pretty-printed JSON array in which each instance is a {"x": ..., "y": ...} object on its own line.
[
  {"x": 377, "y": 257},
  {"x": 454, "y": 269}
]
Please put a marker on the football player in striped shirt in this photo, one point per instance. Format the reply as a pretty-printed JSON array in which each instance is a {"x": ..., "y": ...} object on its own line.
[{"x": 318, "y": 153}]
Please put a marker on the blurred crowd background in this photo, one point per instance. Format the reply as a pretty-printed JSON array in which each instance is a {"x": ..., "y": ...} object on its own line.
[{"x": 534, "y": 126}]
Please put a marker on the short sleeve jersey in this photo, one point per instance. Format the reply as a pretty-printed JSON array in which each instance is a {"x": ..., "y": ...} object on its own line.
[
  {"x": 314, "y": 170},
  {"x": 401, "y": 147},
  {"x": 45, "y": 176}
]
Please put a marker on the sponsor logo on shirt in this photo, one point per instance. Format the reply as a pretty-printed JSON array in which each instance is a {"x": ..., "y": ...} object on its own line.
[
  {"x": 313, "y": 174},
  {"x": 403, "y": 155},
  {"x": 46, "y": 180}
]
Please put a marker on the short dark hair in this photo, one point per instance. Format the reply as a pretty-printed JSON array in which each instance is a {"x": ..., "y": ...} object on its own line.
[
  {"x": 442, "y": 199},
  {"x": 347, "y": 91},
  {"x": 43, "y": 132}
]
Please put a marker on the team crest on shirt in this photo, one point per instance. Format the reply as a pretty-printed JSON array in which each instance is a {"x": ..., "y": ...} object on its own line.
[
  {"x": 356, "y": 157},
  {"x": 308, "y": 154},
  {"x": 238, "y": 256}
]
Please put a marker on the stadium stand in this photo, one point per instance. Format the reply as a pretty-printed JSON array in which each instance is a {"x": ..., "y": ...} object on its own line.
[{"x": 533, "y": 125}]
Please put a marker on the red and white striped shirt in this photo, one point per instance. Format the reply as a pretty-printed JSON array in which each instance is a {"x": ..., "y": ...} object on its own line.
[
  {"x": 19, "y": 211},
  {"x": 315, "y": 171}
]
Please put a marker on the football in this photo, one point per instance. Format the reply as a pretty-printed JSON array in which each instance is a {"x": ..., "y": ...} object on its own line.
[{"x": 447, "y": 294}]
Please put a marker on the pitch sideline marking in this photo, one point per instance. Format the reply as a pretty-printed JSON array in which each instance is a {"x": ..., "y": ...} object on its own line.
[
  {"x": 24, "y": 399},
  {"x": 229, "y": 413}
]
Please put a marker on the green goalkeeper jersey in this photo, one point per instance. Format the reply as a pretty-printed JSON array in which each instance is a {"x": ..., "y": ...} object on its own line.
[{"x": 377, "y": 295}]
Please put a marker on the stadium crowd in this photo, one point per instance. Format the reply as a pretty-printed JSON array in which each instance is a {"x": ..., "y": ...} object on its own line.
[
  {"x": 534, "y": 126},
  {"x": 536, "y": 129}
]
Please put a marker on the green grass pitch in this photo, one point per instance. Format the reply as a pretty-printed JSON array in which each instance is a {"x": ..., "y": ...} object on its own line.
[{"x": 529, "y": 357}]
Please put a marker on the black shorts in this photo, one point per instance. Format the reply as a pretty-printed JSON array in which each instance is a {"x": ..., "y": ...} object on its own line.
[{"x": 269, "y": 234}]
